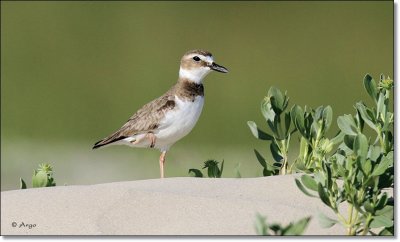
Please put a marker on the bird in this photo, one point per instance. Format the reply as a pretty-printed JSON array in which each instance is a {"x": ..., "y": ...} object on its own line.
[{"x": 165, "y": 120}]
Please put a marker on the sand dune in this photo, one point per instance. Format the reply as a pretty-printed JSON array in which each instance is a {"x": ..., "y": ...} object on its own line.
[{"x": 171, "y": 206}]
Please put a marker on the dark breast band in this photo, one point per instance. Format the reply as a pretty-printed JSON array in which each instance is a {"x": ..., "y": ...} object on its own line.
[{"x": 189, "y": 90}]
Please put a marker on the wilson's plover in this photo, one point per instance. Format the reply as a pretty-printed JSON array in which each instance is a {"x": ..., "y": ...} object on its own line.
[{"x": 167, "y": 119}]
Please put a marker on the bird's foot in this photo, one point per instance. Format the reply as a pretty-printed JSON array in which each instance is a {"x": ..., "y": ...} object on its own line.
[{"x": 152, "y": 139}]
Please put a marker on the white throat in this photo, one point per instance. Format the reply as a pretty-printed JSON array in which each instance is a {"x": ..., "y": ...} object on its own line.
[{"x": 196, "y": 74}]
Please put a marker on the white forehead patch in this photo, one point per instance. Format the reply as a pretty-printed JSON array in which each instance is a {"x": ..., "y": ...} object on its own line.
[{"x": 208, "y": 59}]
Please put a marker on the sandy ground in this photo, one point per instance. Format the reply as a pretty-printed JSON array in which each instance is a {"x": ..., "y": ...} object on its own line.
[{"x": 171, "y": 206}]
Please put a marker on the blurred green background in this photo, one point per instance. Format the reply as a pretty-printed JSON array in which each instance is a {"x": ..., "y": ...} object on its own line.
[{"x": 73, "y": 72}]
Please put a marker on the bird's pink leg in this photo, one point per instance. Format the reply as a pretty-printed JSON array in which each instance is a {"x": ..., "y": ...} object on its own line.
[{"x": 162, "y": 161}]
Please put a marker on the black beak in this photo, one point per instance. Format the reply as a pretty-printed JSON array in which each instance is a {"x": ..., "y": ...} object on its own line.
[{"x": 218, "y": 68}]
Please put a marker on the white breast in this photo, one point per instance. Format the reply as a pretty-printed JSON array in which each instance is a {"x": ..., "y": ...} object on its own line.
[{"x": 178, "y": 122}]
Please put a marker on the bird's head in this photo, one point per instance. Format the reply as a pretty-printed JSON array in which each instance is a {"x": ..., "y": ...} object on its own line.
[{"x": 196, "y": 64}]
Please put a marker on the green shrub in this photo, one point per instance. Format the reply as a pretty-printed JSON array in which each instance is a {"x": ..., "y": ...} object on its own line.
[
  {"x": 360, "y": 169},
  {"x": 348, "y": 168},
  {"x": 273, "y": 108},
  {"x": 312, "y": 126}
]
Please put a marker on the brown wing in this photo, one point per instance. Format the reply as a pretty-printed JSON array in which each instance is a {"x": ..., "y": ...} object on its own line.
[{"x": 144, "y": 120}]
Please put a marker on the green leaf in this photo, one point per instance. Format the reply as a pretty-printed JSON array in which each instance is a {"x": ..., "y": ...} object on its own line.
[
  {"x": 285, "y": 101},
  {"x": 308, "y": 120},
  {"x": 297, "y": 228},
  {"x": 260, "y": 225},
  {"x": 314, "y": 129},
  {"x": 382, "y": 202},
  {"x": 359, "y": 121},
  {"x": 381, "y": 221},
  {"x": 318, "y": 113},
  {"x": 303, "y": 189},
  {"x": 366, "y": 166},
  {"x": 387, "y": 231},
  {"x": 388, "y": 121},
  {"x": 349, "y": 141},
  {"x": 389, "y": 141},
  {"x": 276, "y": 228},
  {"x": 386, "y": 211},
  {"x": 309, "y": 182},
  {"x": 325, "y": 221},
  {"x": 266, "y": 109},
  {"x": 347, "y": 125},
  {"x": 277, "y": 99},
  {"x": 374, "y": 153},
  {"x": 275, "y": 152},
  {"x": 299, "y": 165},
  {"x": 361, "y": 146},
  {"x": 212, "y": 168},
  {"x": 371, "y": 87},
  {"x": 323, "y": 195},
  {"x": 319, "y": 177},
  {"x": 237, "y": 171},
  {"x": 382, "y": 166},
  {"x": 259, "y": 134},
  {"x": 368, "y": 207},
  {"x": 390, "y": 156},
  {"x": 338, "y": 138},
  {"x": 328, "y": 173},
  {"x": 268, "y": 168},
  {"x": 380, "y": 107},
  {"x": 267, "y": 172},
  {"x": 297, "y": 116},
  {"x": 50, "y": 182},
  {"x": 260, "y": 159},
  {"x": 327, "y": 117},
  {"x": 22, "y": 184},
  {"x": 195, "y": 173},
  {"x": 303, "y": 148},
  {"x": 40, "y": 179},
  {"x": 221, "y": 170},
  {"x": 349, "y": 163},
  {"x": 368, "y": 118},
  {"x": 339, "y": 163}
]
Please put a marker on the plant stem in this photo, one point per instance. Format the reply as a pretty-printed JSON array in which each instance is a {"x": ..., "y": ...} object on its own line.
[
  {"x": 283, "y": 150},
  {"x": 350, "y": 211},
  {"x": 342, "y": 219},
  {"x": 366, "y": 225},
  {"x": 351, "y": 230}
]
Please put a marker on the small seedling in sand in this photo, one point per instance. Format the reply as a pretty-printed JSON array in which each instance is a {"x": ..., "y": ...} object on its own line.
[
  {"x": 296, "y": 228},
  {"x": 213, "y": 170},
  {"x": 237, "y": 171},
  {"x": 42, "y": 177}
]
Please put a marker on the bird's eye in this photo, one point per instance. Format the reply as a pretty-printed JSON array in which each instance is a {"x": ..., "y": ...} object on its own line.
[{"x": 196, "y": 58}]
